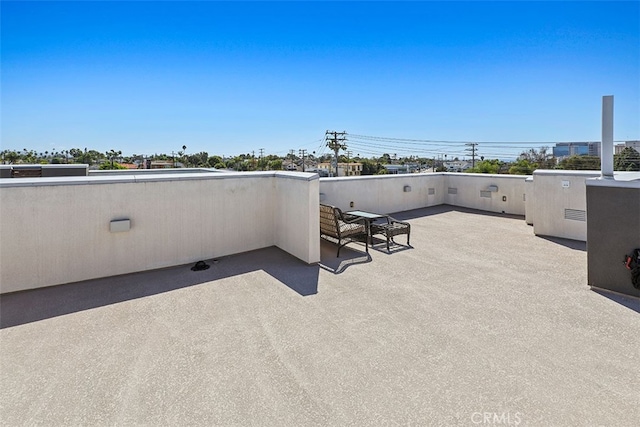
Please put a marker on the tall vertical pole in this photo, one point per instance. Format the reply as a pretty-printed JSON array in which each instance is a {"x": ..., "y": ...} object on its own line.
[
  {"x": 303, "y": 154},
  {"x": 606, "y": 153},
  {"x": 336, "y": 143},
  {"x": 473, "y": 153}
]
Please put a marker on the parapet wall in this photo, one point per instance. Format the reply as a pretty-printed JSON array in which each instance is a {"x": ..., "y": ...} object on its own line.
[
  {"x": 394, "y": 193},
  {"x": 559, "y": 203},
  {"x": 58, "y": 230},
  {"x": 62, "y": 230}
]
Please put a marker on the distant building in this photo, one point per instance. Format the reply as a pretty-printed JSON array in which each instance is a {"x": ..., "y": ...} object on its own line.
[
  {"x": 568, "y": 149},
  {"x": 396, "y": 169},
  {"x": 633, "y": 144},
  {"x": 158, "y": 164},
  {"x": 344, "y": 169},
  {"x": 458, "y": 166},
  {"x": 130, "y": 165},
  {"x": 289, "y": 166}
]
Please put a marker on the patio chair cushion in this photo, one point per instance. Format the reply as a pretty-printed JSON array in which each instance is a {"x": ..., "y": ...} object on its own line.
[{"x": 350, "y": 229}]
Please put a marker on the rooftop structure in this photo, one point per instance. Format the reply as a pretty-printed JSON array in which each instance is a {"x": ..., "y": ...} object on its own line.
[
  {"x": 480, "y": 318},
  {"x": 484, "y": 320}
]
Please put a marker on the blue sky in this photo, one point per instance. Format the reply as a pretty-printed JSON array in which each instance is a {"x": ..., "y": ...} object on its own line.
[{"x": 235, "y": 77}]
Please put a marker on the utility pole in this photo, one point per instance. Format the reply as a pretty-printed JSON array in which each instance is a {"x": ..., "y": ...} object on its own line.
[
  {"x": 336, "y": 142},
  {"x": 302, "y": 153},
  {"x": 348, "y": 161},
  {"x": 260, "y": 161},
  {"x": 473, "y": 152},
  {"x": 290, "y": 157}
]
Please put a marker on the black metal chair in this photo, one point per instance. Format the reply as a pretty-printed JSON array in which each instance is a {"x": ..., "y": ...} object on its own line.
[{"x": 335, "y": 227}]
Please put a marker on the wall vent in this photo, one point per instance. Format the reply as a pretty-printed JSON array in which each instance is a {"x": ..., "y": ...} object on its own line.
[
  {"x": 119, "y": 225},
  {"x": 26, "y": 172},
  {"x": 486, "y": 194},
  {"x": 575, "y": 214},
  {"x": 453, "y": 190},
  {"x": 432, "y": 191}
]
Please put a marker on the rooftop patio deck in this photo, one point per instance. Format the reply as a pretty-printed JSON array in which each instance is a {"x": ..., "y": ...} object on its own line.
[{"x": 480, "y": 322}]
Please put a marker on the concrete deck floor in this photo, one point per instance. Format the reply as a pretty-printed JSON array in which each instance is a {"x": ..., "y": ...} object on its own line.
[{"x": 480, "y": 323}]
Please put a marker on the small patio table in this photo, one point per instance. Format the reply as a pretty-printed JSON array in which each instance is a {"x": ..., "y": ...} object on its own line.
[{"x": 369, "y": 218}]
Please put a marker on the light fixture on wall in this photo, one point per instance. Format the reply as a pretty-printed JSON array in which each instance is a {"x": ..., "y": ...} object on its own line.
[
  {"x": 119, "y": 225},
  {"x": 407, "y": 189}
]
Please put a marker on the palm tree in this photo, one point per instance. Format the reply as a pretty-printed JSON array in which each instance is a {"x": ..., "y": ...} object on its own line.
[{"x": 112, "y": 154}]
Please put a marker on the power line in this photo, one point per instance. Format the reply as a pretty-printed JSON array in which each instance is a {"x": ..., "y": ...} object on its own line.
[{"x": 418, "y": 141}]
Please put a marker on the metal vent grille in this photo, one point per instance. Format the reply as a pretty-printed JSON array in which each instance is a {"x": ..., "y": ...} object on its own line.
[
  {"x": 35, "y": 172},
  {"x": 486, "y": 194},
  {"x": 432, "y": 191},
  {"x": 453, "y": 190},
  {"x": 575, "y": 214}
]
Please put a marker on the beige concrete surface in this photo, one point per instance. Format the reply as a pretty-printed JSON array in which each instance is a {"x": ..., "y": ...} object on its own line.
[{"x": 479, "y": 323}]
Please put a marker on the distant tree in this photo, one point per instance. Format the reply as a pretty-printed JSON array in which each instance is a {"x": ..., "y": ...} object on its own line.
[
  {"x": 214, "y": 161},
  {"x": 580, "y": 163},
  {"x": 385, "y": 159},
  {"x": 200, "y": 159},
  {"x": 261, "y": 164},
  {"x": 109, "y": 166},
  {"x": 275, "y": 165},
  {"x": 541, "y": 158},
  {"x": 487, "y": 166},
  {"x": 112, "y": 155},
  {"x": 522, "y": 167},
  {"x": 10, "y": 156},
  {"x": 76, "y": 155},
  {"x": 370, "y": 167},
  {"x": 28, "y": 156},
  {"x": 627, "y": 160}
]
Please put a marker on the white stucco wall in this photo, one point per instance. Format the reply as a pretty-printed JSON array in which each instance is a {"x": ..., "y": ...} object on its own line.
[
  {"x": 385, "y": 193},
  {"x": 469, "y": 186},
  {"x": 528, "y": 204},
  {"x": 56, "y": 230},
  {"x": 297, "y": 215},
  {"x": 382, "y": 193},
  {"x": 554, "y": 191}
]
